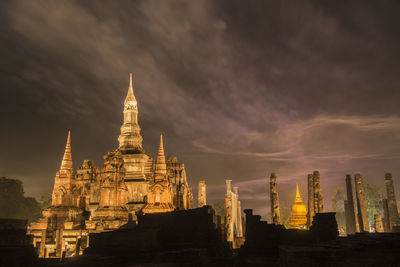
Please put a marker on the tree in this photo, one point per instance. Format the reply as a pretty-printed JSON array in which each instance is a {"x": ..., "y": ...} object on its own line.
[
  {"x": 44, "y": 202},
  {"x": 219, "y": 209},
  {"x": 373, "y": 195},
  {"x": 13, "y": 203},
  {"x": 338, "y": 207},
  {"x": 284, "y": 216}
]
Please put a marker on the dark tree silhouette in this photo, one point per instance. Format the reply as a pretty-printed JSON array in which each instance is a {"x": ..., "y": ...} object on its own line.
[{"x": 13, "y": 203}]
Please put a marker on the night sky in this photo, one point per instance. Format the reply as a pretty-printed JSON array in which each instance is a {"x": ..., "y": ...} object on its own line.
[{"x": 238, "y": 89}]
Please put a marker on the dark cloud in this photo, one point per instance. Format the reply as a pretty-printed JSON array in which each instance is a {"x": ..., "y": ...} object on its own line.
[{"x": 238, "y": 89}]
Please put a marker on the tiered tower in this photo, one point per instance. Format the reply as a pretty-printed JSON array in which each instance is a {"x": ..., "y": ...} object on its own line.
[
  {"x": 138, "y": 165},
  {"x": 130, "y": 140}
]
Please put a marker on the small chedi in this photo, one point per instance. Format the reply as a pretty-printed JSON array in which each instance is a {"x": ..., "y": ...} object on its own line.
[
  {"x": 160, "y": 195},
  {"x": 298, "y": 217},
  {"x": 92, "y": 199}
]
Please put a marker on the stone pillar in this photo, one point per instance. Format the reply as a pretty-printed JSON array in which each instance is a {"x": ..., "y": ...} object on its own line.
[
  {"x": 240, "y": 220},
  {"x": 235, "y": 199},
  {"x": 352, "y": 227},
  {"x": 59, "y": 244},
  {"x": 391, "y": 201},
  {"x": 386, "y": 218},
  {"x": 310, "y": 214},
  {"x": 274, "y": 198},
  {"x": 319, "y": 206},
  {"x": 378, "y": 223},
  {"x": 42, "y": 249},
  {"x": 361, "y": 204},
  {"x": 228, "y": 212},
  {"x": 202, "y": 201},
  {"x": 347, "y": 218}
]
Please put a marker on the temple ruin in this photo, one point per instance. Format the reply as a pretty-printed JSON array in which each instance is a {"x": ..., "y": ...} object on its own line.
[{"x": 92, "y": 199}]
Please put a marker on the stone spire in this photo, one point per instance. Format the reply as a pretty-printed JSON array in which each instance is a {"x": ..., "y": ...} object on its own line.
[
  {"x": 130, "y": 140},
  {"x": 161, "y": 166},
  {"x": 66, "y": 163},
  {"x": 274, "y": 198}
]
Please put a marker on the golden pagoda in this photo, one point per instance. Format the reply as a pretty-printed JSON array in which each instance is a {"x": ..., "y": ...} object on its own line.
[{"x": 298, "y": 217}]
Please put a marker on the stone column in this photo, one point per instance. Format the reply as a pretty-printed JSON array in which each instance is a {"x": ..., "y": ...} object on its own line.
[
  {"x": 378, "y": 223},
  {"x": 391, "y": 201},
  {"x": 310, "y": 214},
  {"x": 202, "y": 201},
  {"x": 318, "y": 198},
  {"x": 274, "y": 198},
  {"x": 386, "y": 218},
  {"x": 240, "y": 220},
  {"x": 228, "y": 212},
  {"x": 353, "y": 222},
  {"x": 347, "y": 217},
  {"x": 361, "y": 204},
  {"x": 42, "y": 249},
  {"x": 235, "y": 200}
]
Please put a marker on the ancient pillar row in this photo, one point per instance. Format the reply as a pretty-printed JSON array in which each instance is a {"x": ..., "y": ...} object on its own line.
[
  {"x": 391, "y": 201},
  {"x": 202, "y": 201},
  {"x": 310, "y": 214},
  {"x": 386, "y": 218},
  {"x": 378, "y": 223},
  {"x": 352, "y": 221},
  {"x": 363, "y": 218},
  {"x": 274, "y": 198}
]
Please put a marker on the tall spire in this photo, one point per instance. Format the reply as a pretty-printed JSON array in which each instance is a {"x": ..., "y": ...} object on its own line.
[
  {"x": 66, "y": 163},
  {"x": 298, "y": 197},
  {"x": 130, "y": 140},
  {"x": 130, "y": 97},
  {"x": 161, "y": 167}
]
